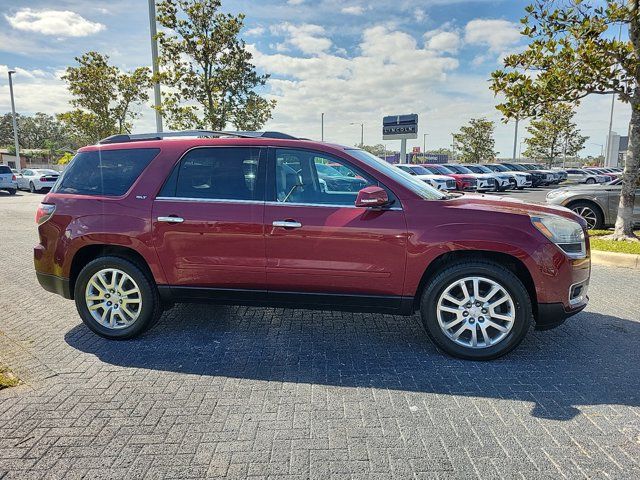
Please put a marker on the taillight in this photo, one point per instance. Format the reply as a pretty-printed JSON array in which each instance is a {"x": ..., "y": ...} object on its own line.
[
  {"x": 43, "y": 179},
  {"x": 44, "y": 212},
  {"x": 13, "y": 177}
]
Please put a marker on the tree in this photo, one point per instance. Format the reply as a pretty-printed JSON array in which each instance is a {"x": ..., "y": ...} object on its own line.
[
  {"x": 573, "y": 53},
  {"x": 378, "y": 150},
  {"x": 554, "y": 134},
  {"x": 474, "y": 142},
  {"x": 103, "y": 97},
  {"x": 207, "y": 69},
  {"x": 6, "y": 129}
]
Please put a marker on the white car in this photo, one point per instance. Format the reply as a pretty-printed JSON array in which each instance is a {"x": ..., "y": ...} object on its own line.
[
  {"x": 523, "y": 179},
  {"x": 441, "y": 182},
  {"x": 8, "y": 180},
  {"x": 578, "y": 175},
  {"x": 504, "y": 181},
  {"x": 37, "y": 179}
]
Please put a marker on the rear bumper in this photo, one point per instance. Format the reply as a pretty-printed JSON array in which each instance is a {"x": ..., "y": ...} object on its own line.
[
  {"x": 552, "y": 315},
  {"x": 55, "y": 284}
]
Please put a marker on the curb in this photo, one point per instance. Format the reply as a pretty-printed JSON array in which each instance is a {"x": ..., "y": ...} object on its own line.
[{"x": 615, "y": 259}]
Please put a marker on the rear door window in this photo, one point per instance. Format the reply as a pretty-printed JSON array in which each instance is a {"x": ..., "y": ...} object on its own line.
[
  {"x": 218, "y": 173},
  {"x": 104, "y": 172}
]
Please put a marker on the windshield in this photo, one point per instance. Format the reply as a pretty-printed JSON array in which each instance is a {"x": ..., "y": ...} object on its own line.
[
  {"x": 418, "y": 170},
  {"x": 497, "y": 168},
  {"x": 514, "y": 166},
  {"x": 484, "y": 169},
  {"x": 420, "y": 188},
  {"x": 438, "y": 169},
  {"x": 459, "y": 169}
]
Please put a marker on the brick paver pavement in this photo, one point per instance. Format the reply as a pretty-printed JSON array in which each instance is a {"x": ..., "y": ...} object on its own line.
[{"x": 254, "y": 392}]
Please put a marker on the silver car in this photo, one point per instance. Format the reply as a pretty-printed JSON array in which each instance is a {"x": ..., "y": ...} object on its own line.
[{"x": 597, "y": 204}]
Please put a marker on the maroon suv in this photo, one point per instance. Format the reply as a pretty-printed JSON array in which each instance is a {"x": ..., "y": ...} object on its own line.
[{"x": 137, "y": 223}]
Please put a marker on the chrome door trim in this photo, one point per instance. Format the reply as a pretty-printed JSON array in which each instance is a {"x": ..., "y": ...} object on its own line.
[{"x": 209, "y": 200}]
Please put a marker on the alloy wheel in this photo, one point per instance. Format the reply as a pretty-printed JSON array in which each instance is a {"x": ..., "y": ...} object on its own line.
[
  {"x": 476, "y": 312},
  {"x": 113, "y": 298},
  {"x": 588, "y": 214}
]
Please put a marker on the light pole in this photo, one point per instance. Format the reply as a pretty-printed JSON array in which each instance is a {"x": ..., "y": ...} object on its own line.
[
  {"x": 601, "y": 149},
  {"x": 606, "y": 160},
  {"x": 15, "y": 121},
  {"x": 361, "y": 132},
  {"x": 453, "y": 146},
  {"x": 154, "y": 63},
  {"x": 515, "y": 139},
  {"x": 322, "y": 127},
  {"x": 424, "y": 144}
]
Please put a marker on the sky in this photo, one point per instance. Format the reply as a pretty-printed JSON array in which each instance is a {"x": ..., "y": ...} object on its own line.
[{"x": 353, "y": 60}]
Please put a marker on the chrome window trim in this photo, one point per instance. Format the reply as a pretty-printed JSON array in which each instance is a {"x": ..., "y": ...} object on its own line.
[
  {"x": 209, "y": 200},
  {"x": 327, "y": 205}
]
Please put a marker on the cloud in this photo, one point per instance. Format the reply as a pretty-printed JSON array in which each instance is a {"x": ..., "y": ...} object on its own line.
[
  {"x": 353, "y": 10},
  {"x": 308, "y": 38},
  {"x": 496, "y": 34},
  {"x": 60, "y": 23},
  {"x": 295, "y": 2},
  {"x": 443, "y": 41},
  {"x": 255, "y": 32},
  {"x": 35, "y": 91}
]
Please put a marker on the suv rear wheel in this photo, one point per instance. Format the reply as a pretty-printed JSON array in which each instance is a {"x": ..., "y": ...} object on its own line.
[
  {"x": 115, "y": 299},
  {"x": 476, "y": 310}
]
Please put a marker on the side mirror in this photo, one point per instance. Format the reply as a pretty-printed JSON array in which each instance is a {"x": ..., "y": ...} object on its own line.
[{"x": 371, "y": 197}]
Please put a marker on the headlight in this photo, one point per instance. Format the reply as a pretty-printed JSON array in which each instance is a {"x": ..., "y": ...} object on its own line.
[
  {"x": 565, "y": 233},
  {"x": 555, "y": 193}
]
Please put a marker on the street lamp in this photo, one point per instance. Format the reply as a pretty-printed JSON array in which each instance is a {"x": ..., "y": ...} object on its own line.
[
  {"x": 361, "y": 132},
  {"x": 15, "y": 122},
  {"x": 154, "y": 63},
  {"x": 322, "y": 127},
  {"x": 424, "y": 144}
]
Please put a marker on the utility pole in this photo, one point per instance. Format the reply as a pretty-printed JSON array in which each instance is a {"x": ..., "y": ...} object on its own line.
[
  {"x": 515, "y": 139},
  {"x": 361, "y": 132},
  {"x": 154, "y": 63},
  {"x": 424, "y": 144},
  {"x": 322, "y": 127},
  {"x": 15, "y": 122},
  {"x": 453, "y": 146}
]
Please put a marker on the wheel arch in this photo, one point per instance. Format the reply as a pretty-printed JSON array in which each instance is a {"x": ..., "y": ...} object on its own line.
[
  {"x": 509, "y": 261},
  {"x": 591, "y": 202},
  {"x": 90, "y": 252}
]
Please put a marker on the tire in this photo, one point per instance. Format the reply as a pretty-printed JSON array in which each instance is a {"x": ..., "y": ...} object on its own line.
[
  {"x": 149, "y": 307},
  {"x": 12, "y": 191},
  {"x": 32, "y": 187},
  {"x": 518, "y": 306},
  {"x": 590, "y": 212},
  {"x": 590, "y": 181}
]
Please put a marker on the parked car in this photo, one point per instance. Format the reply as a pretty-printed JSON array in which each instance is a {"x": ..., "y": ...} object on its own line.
[
  {"x": 440, "y": 182},
  {"x": 503, "y": 181},
  {"x": 537, "y": 178},
  {"x": 577, "y": 175},
  {"x": 596, "y": 204},
  {"x": 8, "y": 180},
  {"x": 609, "y": 176},
  {"x": 464, "y": 182},
  {"x": 484, "y": 182},
  {"x": 549, "y": 176},
  {"x": 139, "y": 222},
  {"x": 36, "y": 180},
  {"x": 522, "y": 178}
]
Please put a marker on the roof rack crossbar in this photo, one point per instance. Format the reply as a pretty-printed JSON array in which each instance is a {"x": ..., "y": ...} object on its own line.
[{"x": 123, "y": 138}]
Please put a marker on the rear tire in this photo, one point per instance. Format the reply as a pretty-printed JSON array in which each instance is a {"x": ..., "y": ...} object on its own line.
[
  {"x": 494, "y": 337},
  {"x": 590, "y": 181},
  {"x": 145, "y": 302},
  {"x": 32, "y": 187},
  {"x": 12, "y": 191}
]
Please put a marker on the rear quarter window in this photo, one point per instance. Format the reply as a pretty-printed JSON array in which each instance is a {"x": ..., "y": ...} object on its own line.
[{"x": 104, "y": 172}]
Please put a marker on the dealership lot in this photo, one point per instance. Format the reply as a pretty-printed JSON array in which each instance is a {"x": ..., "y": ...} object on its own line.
[{"x": 236, "y": 391}]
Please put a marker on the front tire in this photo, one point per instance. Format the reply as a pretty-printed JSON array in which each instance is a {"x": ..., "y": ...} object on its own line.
[
  {"x": 116, "y": 299},
  {"x": 476, "y": 310},
  {"x": 32, "y": 187}
]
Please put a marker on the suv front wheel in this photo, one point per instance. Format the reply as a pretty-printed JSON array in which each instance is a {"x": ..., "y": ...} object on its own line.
[
  {"x": 115, "y": 299},
  {"x": 476, "y": 310}
]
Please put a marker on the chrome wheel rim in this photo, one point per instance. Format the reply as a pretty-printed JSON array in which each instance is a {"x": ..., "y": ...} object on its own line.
[
  {"x": 476, "y": 312},
  {"x": 113, "y": 298},
  {"x": 588, "y": 214}
]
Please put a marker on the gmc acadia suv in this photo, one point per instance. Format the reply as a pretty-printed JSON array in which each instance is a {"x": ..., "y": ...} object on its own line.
[{"x": 139, "y": 222}]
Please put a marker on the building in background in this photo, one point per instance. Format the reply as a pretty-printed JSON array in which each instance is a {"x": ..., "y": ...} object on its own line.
[{"x": 616, "y": 150}]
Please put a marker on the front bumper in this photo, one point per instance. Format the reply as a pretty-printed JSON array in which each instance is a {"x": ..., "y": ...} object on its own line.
[{"x": 552, "y": 315}]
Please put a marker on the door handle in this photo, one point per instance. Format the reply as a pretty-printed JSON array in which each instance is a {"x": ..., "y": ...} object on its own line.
[
  {"x": 287, "y": 224},
  {"x": 171, "y": 219}
]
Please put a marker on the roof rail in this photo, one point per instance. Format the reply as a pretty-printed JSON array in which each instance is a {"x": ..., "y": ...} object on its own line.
[{"x": 122, "y": 138}]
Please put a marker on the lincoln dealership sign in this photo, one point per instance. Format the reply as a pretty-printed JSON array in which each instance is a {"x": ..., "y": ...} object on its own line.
[{"x": 400, "y": 127}]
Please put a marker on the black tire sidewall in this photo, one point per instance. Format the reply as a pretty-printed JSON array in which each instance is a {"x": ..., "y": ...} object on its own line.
[
  {"x": 495, "y": 272},
  {"x": 599, "y": 217},
  {"x": 150, "y": 299},
  {"x": 32, "y": 187}
]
